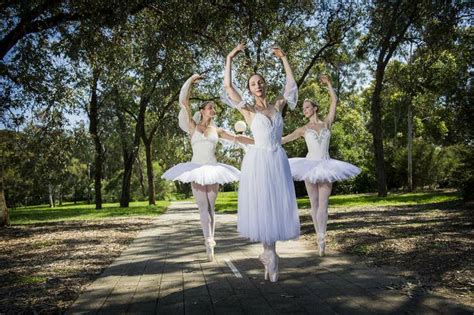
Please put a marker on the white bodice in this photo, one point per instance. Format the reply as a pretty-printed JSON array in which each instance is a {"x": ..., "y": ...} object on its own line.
[
  {"x": 267, "y": 131},
  {"x": 204, "y": 147},
  {"x": 317, "y": 143}
]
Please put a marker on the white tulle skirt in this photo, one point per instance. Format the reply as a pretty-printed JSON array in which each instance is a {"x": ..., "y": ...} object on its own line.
[
  {"x": 267, "y": 209},
  {"x": 318, "y": 171},
  {"x": 203, "y": 174}
]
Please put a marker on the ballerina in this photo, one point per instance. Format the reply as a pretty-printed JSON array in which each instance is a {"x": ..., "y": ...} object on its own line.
[
  {"x": 318, "y": 170},
  {"x": 203, "y": 172},
  {"x": 267, "y": 209}
]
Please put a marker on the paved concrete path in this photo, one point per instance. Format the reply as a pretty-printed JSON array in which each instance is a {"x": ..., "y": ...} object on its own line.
[{"x": 165, "y": 271}]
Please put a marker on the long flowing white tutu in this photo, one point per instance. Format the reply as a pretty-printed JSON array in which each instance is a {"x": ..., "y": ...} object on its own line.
[
  {"x": 324, "y": 170},
  {"x": 268, "y": 211},
  {"x": 203, "y": 174}
]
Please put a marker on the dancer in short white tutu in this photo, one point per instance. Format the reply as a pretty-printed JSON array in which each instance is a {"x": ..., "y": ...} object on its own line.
[
  {"x": 318, "y": 170},
  {"x": 267, "y": 209},
  {"x": 203, "y": 172}
]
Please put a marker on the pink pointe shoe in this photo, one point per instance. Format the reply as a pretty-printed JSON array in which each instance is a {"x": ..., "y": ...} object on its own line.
[
  {"x": 210, "y": 244},
  {"x": 270, "y": 262},
  {"x": 322, "y": 244}
]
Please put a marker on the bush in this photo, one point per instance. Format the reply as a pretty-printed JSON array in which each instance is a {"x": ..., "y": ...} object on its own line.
[
  {"x": 433, "y": 166},
  {"x": 463, "y": 172}
]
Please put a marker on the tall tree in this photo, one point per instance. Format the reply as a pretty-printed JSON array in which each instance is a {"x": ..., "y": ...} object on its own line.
[
  {"x": 94, "y": 132},
  {"x": 389, "y": 23},
  {"x": 429, "y": 69}
]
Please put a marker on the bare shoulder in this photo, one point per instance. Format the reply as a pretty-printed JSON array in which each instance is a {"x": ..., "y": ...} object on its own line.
[{"x": 301, "y": 130}]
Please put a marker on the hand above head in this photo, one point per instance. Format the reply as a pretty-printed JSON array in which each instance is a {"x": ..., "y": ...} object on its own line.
[
  {"x": 324, "y": 79},
  {"x": 240, "y": 47},
  {"x": 278, "y": 52}
]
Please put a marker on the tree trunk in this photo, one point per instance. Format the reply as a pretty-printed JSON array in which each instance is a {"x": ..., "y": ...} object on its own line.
[
  {"x": 394, "y": 33},
  {"x": 94, "y": 131},
  {"x": 51, "y": 198},
  {"x": 128, "y": 159},
  {"x": 129, "y": 154},
  {"x": 60, "y": 192},
  {"x": 149, "y": 173},
  {"x": 138, "y": 135},
  {"x": 140, "y": 176},
  {"x": 377, "y": 132},
  {"x": 410, "y": 146},
  {"x": 98, "y": 176},
  {"x": 88, "y": 183},
  {"x": 74, "y": 194},
  {"x": 3, "y": 203}
]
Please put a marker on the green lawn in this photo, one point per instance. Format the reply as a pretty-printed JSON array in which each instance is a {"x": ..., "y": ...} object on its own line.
[
  {"x": 227, "y": 201},
  {"x": 70, "y": 211}
]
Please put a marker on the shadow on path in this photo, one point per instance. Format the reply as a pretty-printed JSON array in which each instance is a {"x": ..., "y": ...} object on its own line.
[{"x": 164, "y": 271}]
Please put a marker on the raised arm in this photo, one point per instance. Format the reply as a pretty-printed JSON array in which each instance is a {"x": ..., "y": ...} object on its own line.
[
  {"x": 185, "y": 117},
  {"x": 231, "y": 95},
  {"x": 299, "y": 132},
  {"x": 228, "y": 86},
  {"x": 291, "y": 89},
  {"x": 224, "y": 134},
  {"x": 332, "y": 108}
]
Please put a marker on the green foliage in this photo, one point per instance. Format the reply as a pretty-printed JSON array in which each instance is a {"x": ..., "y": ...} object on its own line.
[
  {"x": 463, "y": 172},
  {"x": 70, "y": 211},
  {"x": 30, "y": 280},
  {"x": 227, "y": 201},
  {"x": 434, "y": 166},
  {"x": 140, "y": 53}
]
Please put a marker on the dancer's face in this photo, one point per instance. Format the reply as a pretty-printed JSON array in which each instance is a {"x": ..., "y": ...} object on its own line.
[
  {"x": 309, "y": 109},
  {"x": 209, "y": 111},
  {"x": 257, "y": 85}
]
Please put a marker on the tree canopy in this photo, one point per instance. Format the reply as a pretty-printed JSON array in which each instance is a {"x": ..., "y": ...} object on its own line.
[{"x": 89, "y": 89}]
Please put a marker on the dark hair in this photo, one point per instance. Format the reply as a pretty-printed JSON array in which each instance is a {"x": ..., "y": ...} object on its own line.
[
  {"x": 313, "y": 103},
  {"x": 203, "y": 104},
  {"x": 248, "y": 81}
]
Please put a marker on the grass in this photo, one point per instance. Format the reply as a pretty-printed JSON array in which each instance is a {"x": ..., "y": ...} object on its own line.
[
  {"x": 30, "y": 279},
  {"x": 227, "y": 201},
  {"x": 70, "y": 211}
]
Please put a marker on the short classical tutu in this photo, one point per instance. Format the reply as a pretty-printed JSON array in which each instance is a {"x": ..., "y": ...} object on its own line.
[
  {"x": 324, "y": 170},
  {"x": 202, "y": 174}
]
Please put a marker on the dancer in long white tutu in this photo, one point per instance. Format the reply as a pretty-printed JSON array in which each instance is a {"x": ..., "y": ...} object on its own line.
[
  {"x": 318, "y": 170},
  {"x": 203, "y": 172},
  {"x": 267, "y": 209}
]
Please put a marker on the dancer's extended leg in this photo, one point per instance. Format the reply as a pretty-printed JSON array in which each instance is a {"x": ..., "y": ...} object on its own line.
[
  {"x": 207, "y": 222},
  {"x": 212, "y": 191},
  {"x": 200, "y": 194},
  {"x": 313, "y": 195},
  {"x": 322, "y": 215},
  {"x": 323, "y": 201}
]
